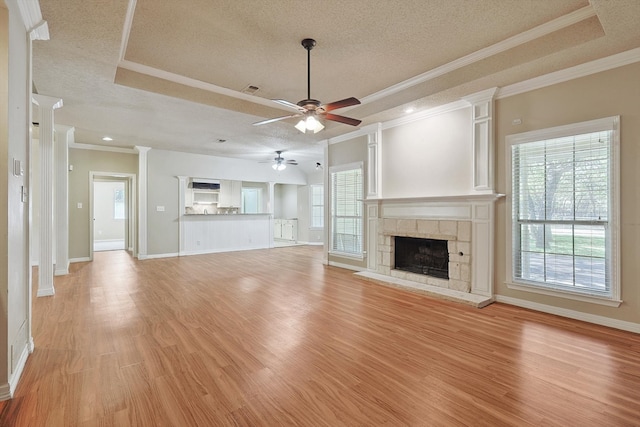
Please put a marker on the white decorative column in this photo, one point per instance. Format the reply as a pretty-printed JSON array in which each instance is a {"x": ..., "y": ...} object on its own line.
[
  {"x": 182, "y": 189},
  {"x": 46, "y": 105},
  {"x": 142, "y": 200},
  {"x": 374, "y": 193},
  {"x": 374, "y": 163},
  {"x": 483, "y": 146},
  {"x": 271, "y": 197},
  {"x": 64, "y": 137}
]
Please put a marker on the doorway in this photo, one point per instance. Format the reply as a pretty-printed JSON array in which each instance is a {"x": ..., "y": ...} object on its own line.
[
  {"x": 109, "y": 216},
  {"x": 112, "y": 225}
]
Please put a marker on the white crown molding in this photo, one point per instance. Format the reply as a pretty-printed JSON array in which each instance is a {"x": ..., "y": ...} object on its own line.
[
  {"x": 582, "y": 70},
  {"x": 510, "y": 43},
  {"x": 126, "y": 29},
  {"x": 102, "y": 148},
  {"x": 572, "y": 314},
  {"x": 32, "y": 18},
  {"x": 436, "y": 111},
  {"x": 365, "y": 130}
]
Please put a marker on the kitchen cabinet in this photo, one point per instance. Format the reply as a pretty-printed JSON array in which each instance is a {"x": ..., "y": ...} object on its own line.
[
  {"x": 285, "y": 229},
  {"x": 230, "y": 194}
]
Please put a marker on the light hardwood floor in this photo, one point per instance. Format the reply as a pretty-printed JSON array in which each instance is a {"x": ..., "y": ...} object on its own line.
[{"x": 273, "y": 337}]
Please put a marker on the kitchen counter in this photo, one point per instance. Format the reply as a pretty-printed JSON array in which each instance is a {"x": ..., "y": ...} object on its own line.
[{"x": 207, "y": 233}]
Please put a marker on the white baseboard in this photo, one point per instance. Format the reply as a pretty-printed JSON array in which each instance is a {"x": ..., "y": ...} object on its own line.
[
  {"x": 346, "y": 266},
  {"x": 15, "y": 378},
  {"x": 82, "y": 259},
  {"x": 572, "y": 314},
  {"x": 62, "y": 271},
  {"x": 45, "y": 292},
  {"x": 156, "y": 256}
]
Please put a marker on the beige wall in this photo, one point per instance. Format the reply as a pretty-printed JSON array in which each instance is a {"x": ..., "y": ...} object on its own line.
[
  {"x": 85, "y": 161},
  {"x": 610, "y": 93}
]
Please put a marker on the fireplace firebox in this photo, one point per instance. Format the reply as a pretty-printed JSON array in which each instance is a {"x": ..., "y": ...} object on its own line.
[{"x": 422, "y": 256}]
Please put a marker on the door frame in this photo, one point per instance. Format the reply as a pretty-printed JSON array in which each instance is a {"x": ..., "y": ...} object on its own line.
[{"x": 131, "y": 242}]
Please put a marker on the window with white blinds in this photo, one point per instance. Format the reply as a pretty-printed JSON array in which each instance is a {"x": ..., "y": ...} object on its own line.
[
  {"x": 564, "y": 209},
  {"x": 346, "y": 211},
  {"x": 317, "y": 206}
]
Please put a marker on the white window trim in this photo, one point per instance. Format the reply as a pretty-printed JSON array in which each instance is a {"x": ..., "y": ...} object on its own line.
[
  {"x": 311, "y": 205},
  {"x": 332, "y": 170},
  {"x": 607, "y": 123}
]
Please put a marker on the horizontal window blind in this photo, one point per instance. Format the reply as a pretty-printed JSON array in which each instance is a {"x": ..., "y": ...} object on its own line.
[
  {"x": 317, "y": 206},
  {"x": 561, "y": 209},
  {"x": 346, "y": 211}
]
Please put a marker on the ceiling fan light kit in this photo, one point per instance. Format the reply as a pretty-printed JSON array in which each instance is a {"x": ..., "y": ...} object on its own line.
[
  {"x": 309, "y": 124},
  {"x": 310, "y": 110}
]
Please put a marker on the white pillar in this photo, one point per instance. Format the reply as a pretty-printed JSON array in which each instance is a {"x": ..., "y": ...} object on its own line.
[
  {"x": 46, "y": 105},
  {"x": 270, "y": 209},
  {"x": 483, "y": 146},
  {"x": 64, "y": 137},
  {"x": 142, "y": 201}
]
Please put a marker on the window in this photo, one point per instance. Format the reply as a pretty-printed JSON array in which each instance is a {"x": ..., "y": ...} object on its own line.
[
  {"x": 317, "y": 206},
  {"x": 250, "y": 200},
  {"x": 118, "y": 204},
  {"x": 564, "y": 209},
  {"x": 346, "y": 210}
]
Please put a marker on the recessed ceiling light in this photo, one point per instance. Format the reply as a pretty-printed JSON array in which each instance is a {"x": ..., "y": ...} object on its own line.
[
  {"x": 409, "y": 110},
  {"x": 107, "y": 138}
]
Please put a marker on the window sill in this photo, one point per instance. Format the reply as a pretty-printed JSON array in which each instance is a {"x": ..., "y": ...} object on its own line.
[{"x": 594, "y": 299}]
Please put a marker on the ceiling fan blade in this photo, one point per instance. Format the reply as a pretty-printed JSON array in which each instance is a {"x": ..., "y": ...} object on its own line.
[
  {"x": 264, "y": 122},
  {"x": 291, "y": 162},
  {"x": 348, "y": 102},
  {"x": 342, "y": 119},
  {"x": 289, "y": 104}
]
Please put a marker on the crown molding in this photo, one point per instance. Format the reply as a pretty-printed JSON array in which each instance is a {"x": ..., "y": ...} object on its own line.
[
  {"x": 80, "y": 146},
  {"x": 582, "y": 70},
  {"x": 517, "y": 40},
  {"x": 365, "y": 130},
  {"x": 31, "y": 15}
]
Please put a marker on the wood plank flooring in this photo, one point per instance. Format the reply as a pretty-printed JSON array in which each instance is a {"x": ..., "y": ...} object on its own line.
[{"x": 275, "y": 338}]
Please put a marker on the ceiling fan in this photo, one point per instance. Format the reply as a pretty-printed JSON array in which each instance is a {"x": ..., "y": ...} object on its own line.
[
  {"x": 279, "y": 162},
  {"x": 310, "y": 110}
]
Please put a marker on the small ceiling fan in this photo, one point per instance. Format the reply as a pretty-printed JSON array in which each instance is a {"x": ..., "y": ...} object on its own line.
[
  {"x": 310, "y": 110},
  {"x": 279, "y": 162}
]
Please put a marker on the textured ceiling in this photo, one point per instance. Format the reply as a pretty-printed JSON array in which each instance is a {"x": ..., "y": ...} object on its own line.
[{"x": 170, "y": 75}]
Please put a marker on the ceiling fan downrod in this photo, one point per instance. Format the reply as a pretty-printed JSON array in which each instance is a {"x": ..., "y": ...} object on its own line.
[{"x": 308, "y": 44}]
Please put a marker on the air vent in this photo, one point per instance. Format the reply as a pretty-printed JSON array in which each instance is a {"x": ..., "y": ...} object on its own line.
[{"x": 250, "y": 89}]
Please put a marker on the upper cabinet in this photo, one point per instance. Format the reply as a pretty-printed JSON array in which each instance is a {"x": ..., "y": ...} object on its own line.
[{"x": 230, "y": 194}]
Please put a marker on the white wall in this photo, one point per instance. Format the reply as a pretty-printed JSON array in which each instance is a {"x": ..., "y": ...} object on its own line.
[
  {"x": 286, "y": 201},
  {"x": 15, "y": 96},
  {"x": 105, "y": 226},
  {"x": 429, "y": 157}
]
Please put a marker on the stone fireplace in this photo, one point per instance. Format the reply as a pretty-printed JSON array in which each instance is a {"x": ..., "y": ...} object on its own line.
[
  {"x": 456, "y": 238},
  {"x": 463, "y": 225}
]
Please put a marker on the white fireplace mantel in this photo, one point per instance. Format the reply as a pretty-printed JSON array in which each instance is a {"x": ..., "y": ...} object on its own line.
[{"x": 474, "y": 209}]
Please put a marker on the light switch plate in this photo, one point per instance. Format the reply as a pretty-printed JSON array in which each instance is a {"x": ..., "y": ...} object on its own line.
[{"x": 18, "y": 169}]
